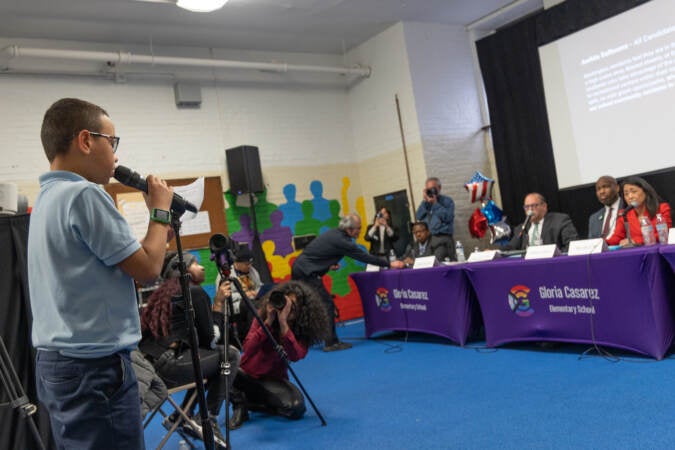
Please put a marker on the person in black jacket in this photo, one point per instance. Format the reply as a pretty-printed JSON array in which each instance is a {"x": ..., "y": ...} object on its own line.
[
  {"x": 381, "y": 234},
  {"x": 424, "y": 245},
  {"x": 323, "y": 254},
  {"x": 171, "y": 357}
]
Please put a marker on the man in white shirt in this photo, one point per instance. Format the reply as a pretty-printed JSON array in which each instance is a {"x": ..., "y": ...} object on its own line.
[{"x": 602, "y": 222}]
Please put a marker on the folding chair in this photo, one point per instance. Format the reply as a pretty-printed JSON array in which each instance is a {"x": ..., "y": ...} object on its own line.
[
  {"x": 186, "y": 426},
  {"x": 184, "y": 422}
]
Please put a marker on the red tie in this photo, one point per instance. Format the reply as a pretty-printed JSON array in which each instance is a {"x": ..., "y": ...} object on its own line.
[{"x": 605, "y": 228}]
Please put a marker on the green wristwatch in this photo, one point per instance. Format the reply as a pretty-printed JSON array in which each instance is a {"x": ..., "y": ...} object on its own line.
[{"x": 160, "y": 215}]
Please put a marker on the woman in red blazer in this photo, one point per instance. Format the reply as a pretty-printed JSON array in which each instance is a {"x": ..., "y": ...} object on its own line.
[{"x": 646, "y": 202}]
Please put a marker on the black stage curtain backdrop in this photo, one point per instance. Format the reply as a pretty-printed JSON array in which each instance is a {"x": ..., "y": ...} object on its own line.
[
  {"x": 15, "y": 322},
  {"x": 509, "y": 62}
]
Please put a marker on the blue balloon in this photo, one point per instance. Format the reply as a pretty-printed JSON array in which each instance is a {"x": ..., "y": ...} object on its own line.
[{"x": 492, "y": 212}]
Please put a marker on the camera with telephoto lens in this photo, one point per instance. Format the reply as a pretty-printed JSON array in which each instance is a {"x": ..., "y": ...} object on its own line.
[
  {"x": 277, "y": 300},
  {"x": 432, "y": 192},
  {"x": 222, "y": 254}
]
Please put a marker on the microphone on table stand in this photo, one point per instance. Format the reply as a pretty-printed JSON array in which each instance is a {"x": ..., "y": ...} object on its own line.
[
  {"x": 623, "y": 213},
  {"x": 526, "y": 224}
]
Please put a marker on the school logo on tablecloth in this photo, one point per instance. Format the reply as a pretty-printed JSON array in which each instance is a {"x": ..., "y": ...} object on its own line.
[
  {"x": 519, "y": 302},
  {"x": 382, "y": 299}
]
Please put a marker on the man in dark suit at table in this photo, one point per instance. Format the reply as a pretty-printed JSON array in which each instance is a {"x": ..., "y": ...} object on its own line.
[
  {"x": 602, "y": 222},
  {"x": 424, "y": 245},
  {"x": 543, "y": 227}
]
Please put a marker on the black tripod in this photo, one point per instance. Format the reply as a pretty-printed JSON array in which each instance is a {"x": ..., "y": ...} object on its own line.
[
  {"x": 221, "y": 249},
  {"x": 16, "y": 394},
  {"x": 207, "y": 431}
]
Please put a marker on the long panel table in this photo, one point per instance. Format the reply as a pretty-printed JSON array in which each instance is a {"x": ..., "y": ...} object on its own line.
[
  {"x": 438, "y": 301},
  {"x": 621, "y": 299}
]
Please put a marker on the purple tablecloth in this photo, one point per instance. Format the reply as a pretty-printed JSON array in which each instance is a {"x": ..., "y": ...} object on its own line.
[
  {"x": 668, "y": 253},
  {"x": 438, "y": 301},
  {"x": 618, "y": 299}
]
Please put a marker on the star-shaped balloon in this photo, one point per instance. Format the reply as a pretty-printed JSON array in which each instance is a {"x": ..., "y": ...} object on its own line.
[
  {"x": 499, "y": 231},
  {"x": 479, "y": 187},
  {"x": 492, "y": 212}
]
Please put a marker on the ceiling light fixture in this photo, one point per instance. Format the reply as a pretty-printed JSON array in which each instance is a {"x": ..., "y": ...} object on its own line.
[{"x": 201, "y": 5}]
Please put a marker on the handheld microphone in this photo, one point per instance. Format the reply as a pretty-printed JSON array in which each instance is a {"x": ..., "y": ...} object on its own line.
[
  {"x": 526, "y": 224},
  {"x": 132, "y": 179}
]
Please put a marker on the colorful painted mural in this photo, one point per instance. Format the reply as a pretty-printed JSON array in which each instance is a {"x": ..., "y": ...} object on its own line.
[{"x": 278, "y": 224}]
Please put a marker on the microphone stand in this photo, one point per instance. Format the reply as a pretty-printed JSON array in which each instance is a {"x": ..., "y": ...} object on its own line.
[
  {"x": 17, "y": 396},
  {"x": 524, "y": 232},
  {"x": 225, "y": 366},
  {"x": 207, "y": 431},
  {"x": 277, "y": 347},
  {"x": 627, "y": 226}
]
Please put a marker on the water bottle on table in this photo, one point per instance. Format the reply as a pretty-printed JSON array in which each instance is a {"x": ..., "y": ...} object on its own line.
[
  {"x": 661, "y": 229},
  {"x": 459, "y": 251},
  {"x": 647, "y": 231}
]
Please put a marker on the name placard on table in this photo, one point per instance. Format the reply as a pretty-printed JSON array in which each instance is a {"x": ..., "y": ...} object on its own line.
[
  {"x": 587, "y": 246},
  {"x": 424, "y": 262},
  {"x": 485, "y": 255},
  {"x": 541, "y": 251}
]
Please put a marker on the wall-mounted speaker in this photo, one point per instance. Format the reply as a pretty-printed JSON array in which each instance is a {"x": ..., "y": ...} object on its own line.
[
  {"x": 243, "y": 169},
  {"x": 188, "y": 95}
]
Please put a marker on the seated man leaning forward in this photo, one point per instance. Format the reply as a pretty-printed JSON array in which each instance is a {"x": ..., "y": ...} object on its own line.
[{"x": 424, "y": 245}]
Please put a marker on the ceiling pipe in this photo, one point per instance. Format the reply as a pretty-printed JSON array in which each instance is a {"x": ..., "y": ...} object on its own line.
[
  {"x": 126, "y": 58},
  {"x": 495, "y": 14}
]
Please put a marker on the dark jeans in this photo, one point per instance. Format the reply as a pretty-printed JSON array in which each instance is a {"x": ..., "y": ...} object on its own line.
[
  {"x": 273, "y": 396},
  {"x": 180, "y": 371},
  {"x": 92, "y": 403},
  {"x": 317, "y": 284}
]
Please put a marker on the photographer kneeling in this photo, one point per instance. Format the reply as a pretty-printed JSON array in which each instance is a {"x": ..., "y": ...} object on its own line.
[{"x": 297, "y": 318}]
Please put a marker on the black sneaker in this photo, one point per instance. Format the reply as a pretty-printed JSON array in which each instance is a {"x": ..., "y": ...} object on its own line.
[
  {"x": 337, "y": 346},
  {"x": 239, "y": 416}
]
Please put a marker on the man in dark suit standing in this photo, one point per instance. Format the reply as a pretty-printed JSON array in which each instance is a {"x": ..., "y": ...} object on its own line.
[
  {"x": 544, "y": 227},
  {"x": 602, "y": 222},
  {"x": 424, "y": 245}
]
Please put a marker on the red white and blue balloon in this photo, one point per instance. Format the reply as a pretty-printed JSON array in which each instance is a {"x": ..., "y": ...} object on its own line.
[{"x": 479, "y": 187}]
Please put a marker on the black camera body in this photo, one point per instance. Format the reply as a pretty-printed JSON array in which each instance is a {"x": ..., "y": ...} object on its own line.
[
  {"x": 222, "y": 253},
  {"x": 277, "y": 300},
  {"x": 432, "y": 192},
  {"x": 379, "y": 215}
]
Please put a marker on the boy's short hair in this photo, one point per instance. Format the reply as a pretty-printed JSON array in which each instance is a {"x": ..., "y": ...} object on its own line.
[{"x": 64, "y": 120}]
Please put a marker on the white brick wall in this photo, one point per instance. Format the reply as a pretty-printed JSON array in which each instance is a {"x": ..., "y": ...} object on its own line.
[
  {"x": 307, "y": 126},
  {"x": 447, "y": 105}
]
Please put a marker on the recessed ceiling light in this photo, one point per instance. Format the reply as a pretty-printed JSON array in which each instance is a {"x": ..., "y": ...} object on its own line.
[{"x": 201, "y": 5}]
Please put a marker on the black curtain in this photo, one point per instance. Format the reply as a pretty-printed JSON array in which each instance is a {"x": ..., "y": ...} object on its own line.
[
  {"x": 509, "y": 62},
  {"x": 15, "y": 323}
]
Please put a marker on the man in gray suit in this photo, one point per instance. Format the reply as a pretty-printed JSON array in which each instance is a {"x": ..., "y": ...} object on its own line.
[
  {"x": 602, "y": 222},
  {"x": 544, "y": 227},
  {"x": 424, "y": 245}
]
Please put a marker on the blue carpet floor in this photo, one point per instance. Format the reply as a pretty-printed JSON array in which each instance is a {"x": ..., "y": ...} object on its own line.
[{"x": 421, "y": 392}]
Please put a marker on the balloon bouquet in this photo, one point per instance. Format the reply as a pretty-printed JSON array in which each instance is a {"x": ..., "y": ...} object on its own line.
[{"x": 488, "y": 216}]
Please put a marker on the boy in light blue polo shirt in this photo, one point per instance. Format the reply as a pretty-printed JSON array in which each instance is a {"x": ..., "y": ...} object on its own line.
[{"x": 82, "y": 257}]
